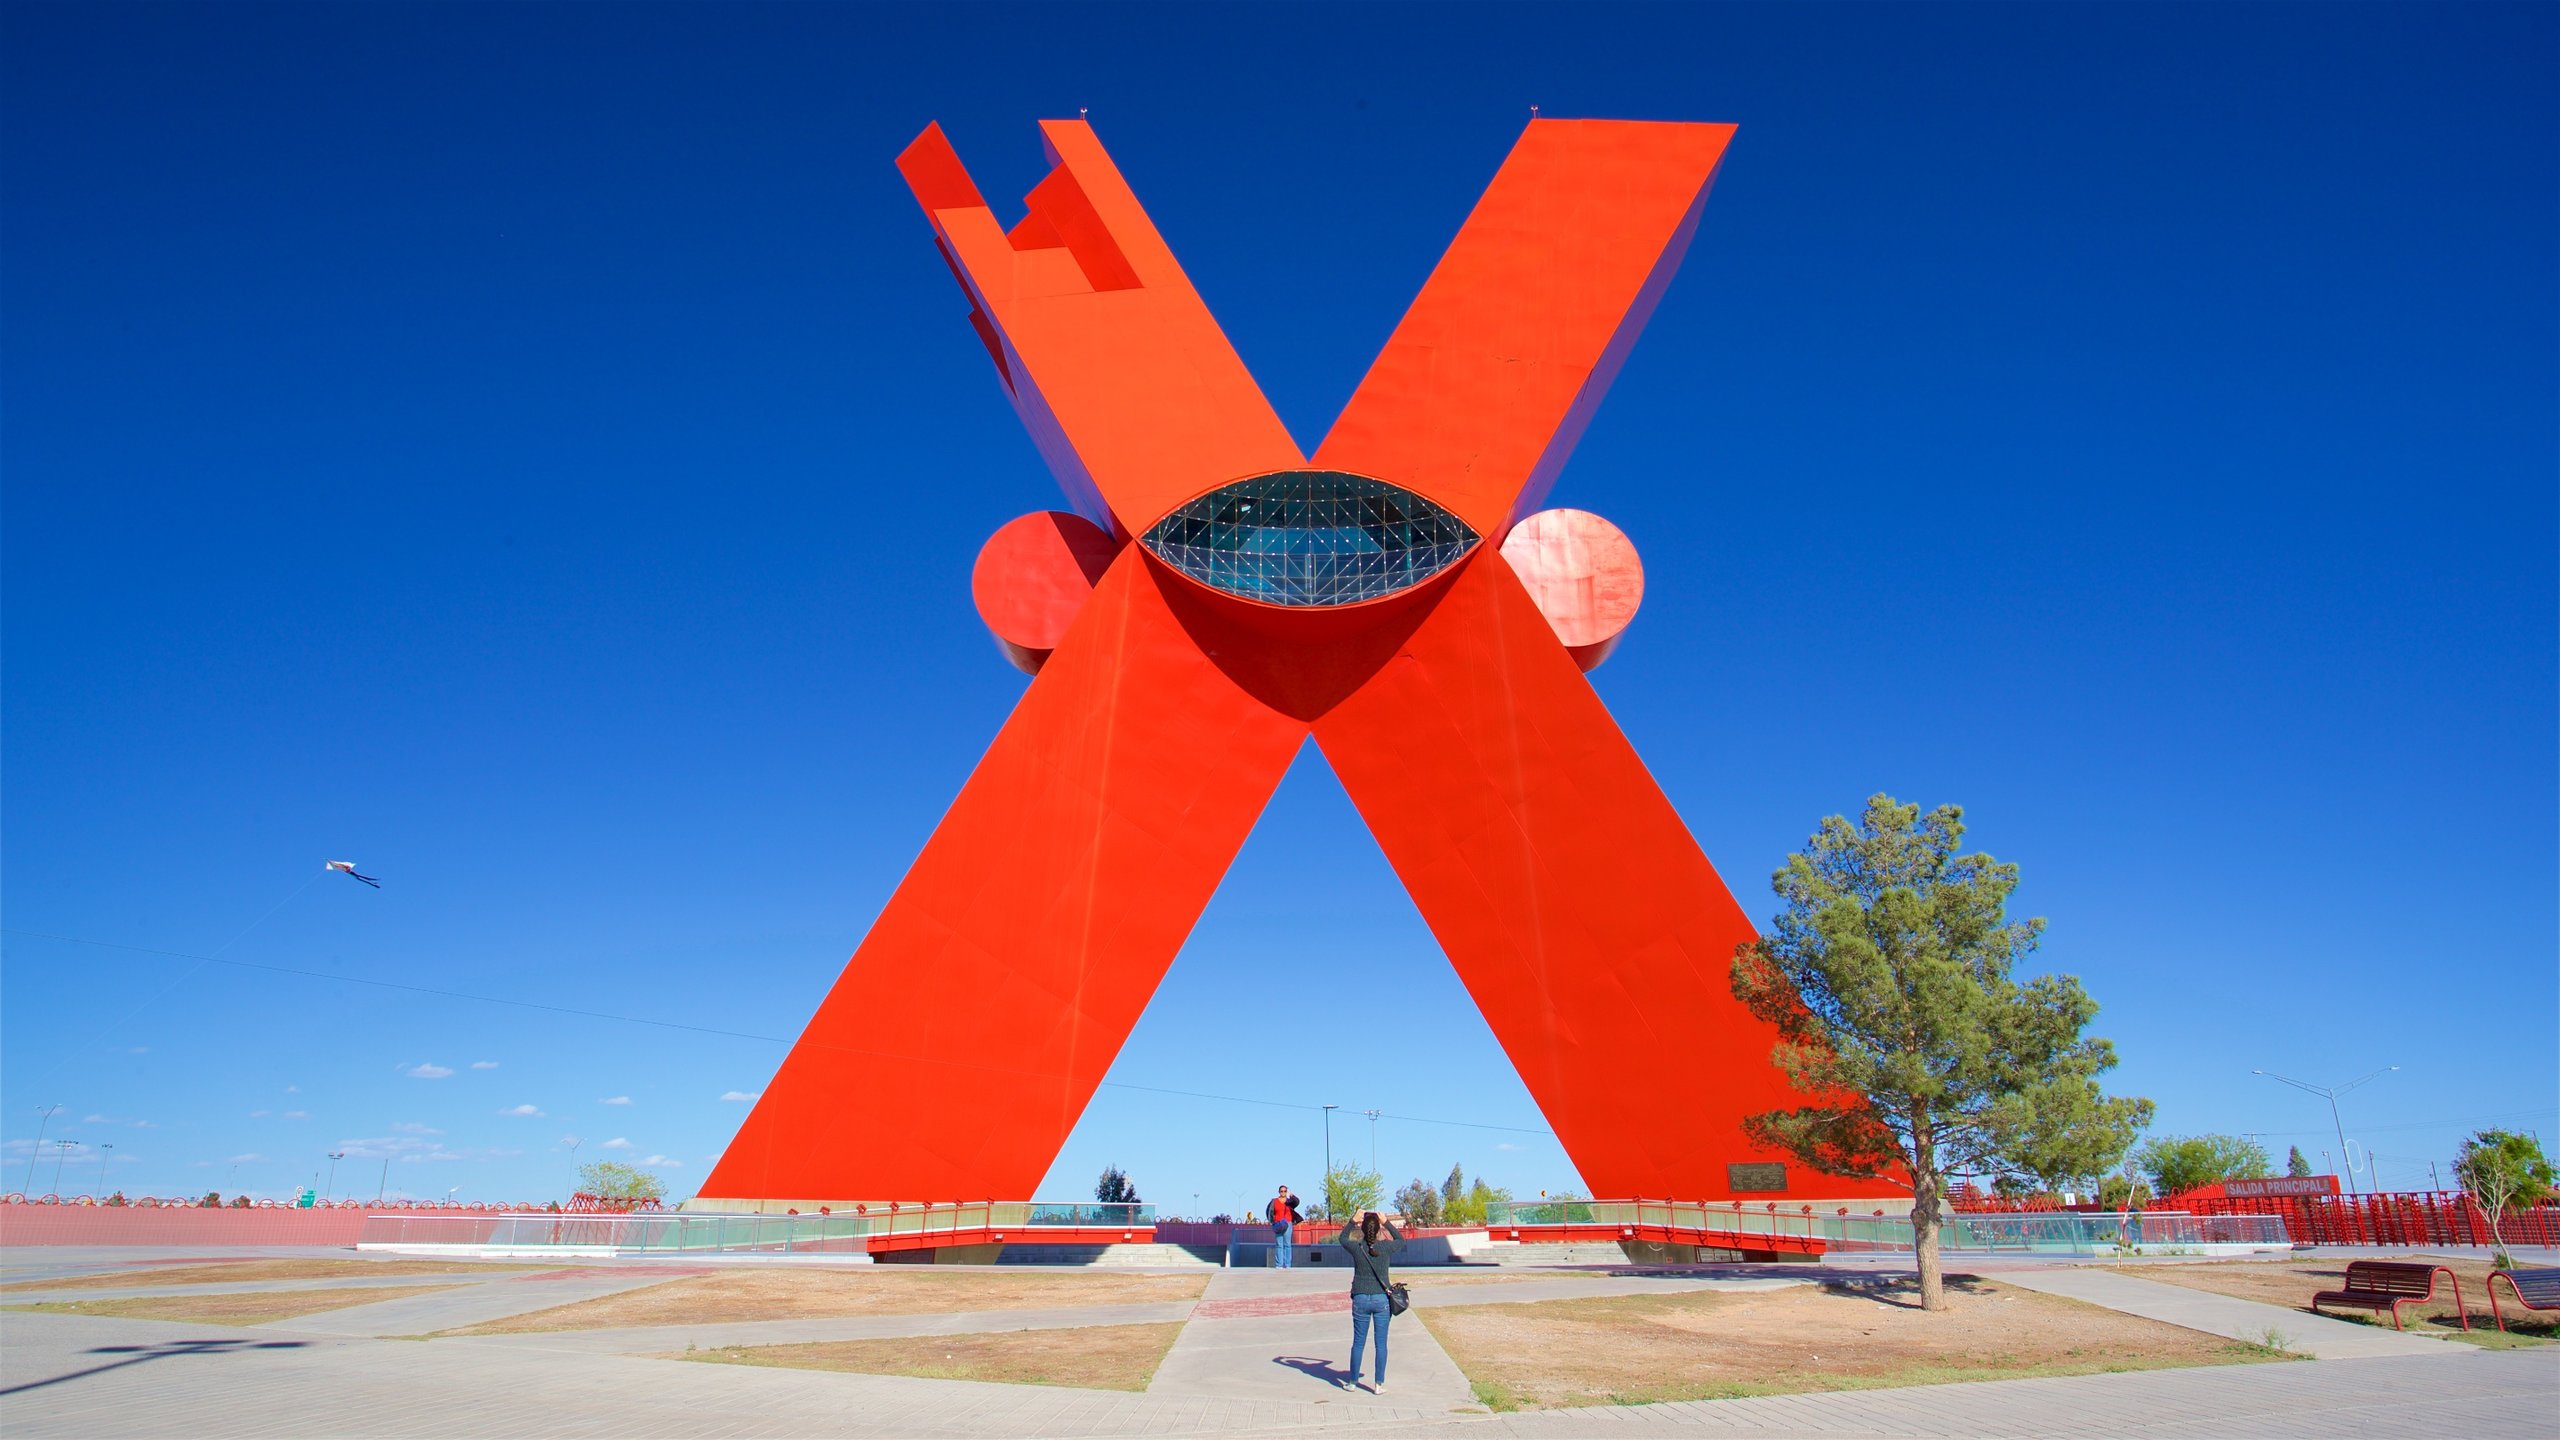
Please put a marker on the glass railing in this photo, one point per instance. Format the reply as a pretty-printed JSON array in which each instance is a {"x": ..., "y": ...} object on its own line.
[
  {"x": 2051, "y": 1232},
  {"x": 676, "y": 1231}
]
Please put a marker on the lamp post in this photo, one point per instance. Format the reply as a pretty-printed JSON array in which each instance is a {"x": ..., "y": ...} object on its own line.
[
  {"x": 334, "y": 1157},
  {"x": 61, "y": 1152},
  {"x": 1328, "y": 1160},
  {"x": 103, "y": 1148},
  {"x": 44, "y": 1117},
  {"x": 2331, "y": 1094},
  {"x": 1373, "y": 1137},
  {"x": 382, "y": 1187}
]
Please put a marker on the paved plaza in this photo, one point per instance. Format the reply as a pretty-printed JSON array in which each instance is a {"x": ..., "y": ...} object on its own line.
[{"x": 1260, "y": 1352}]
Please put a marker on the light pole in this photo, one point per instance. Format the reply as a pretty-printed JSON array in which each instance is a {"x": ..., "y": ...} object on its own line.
[
  {"x": 103, "y": 1148},
  {"x": 62, "y": 1151},
  {"x": 334, "y": 1157},
  {"x": 1328, "y": 1160},
  {"x": 44, "y": 1117},
  {"x": 382, "y": 1187},
  {"x": 2331, "y": 1094},
  {"x": 1373, "y": 1137}
]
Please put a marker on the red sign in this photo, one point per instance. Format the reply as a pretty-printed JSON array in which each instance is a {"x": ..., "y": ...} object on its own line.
[{"x": 2281, "y": 1185}]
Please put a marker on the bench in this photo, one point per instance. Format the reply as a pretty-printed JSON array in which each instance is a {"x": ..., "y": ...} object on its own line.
[
  {"x": 2390, "y": 1284},
  {"x": 2537, "y": 1289}
]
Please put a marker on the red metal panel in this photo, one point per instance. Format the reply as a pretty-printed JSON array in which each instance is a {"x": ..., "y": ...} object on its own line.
[
  {"x": 1585, "y": 921},
  {"x": 965, "y": 1036}
]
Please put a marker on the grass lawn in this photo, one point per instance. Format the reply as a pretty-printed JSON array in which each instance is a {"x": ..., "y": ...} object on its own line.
[
  {"x": 868, "y": 1290},
  {"x": 234, "y": 1272},
  {"x": 2291, "y": 1283},
  {"x": 253, "y": 1307},
  {"x": 1094, "y": 1357},
  {"x": 1841, "y": 1336}
]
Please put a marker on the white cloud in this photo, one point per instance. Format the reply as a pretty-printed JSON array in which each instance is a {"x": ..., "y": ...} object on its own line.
[
  {"x": 427, "y": 1072},
  {"x": 253, "y": 1158},
  {"x": 102, "y": 1120},
  {"x": 260, "y": 1114},
  {"x": 1505, "y": 1145},
  {"x": 615, "y": 1100},
  {"x": 664, "y": 1162},
  {"x": 484, "y": 1064},
  {"x": 741, "y": 1095},
  {"x": 520, "y": 1110},
  {"x": 139, "y": 1050},
  {"x": 412, "y": 1127},
  {"x": 293, "y": 1089},
  {"x": 616, "y": 1143},
  {"x": 297, "y": 1114}
]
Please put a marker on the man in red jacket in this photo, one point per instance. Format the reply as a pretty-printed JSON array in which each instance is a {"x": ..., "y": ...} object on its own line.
[{"x": 1282, "y": 1212}]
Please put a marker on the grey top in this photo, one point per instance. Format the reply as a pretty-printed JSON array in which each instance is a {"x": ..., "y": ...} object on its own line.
[{"x": 1369, "y": 1273}]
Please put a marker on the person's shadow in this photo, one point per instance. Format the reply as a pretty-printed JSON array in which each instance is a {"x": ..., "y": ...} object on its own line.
[{"x": 1320, "y": 1369}]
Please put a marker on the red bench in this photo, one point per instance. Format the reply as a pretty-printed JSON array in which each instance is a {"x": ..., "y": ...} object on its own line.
[
  {"x": 2390, "y": 1284},
  {"x": 2537, "y": 1289}
]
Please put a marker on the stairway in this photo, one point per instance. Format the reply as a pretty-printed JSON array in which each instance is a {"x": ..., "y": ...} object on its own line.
[
  {"x": 1116, "y": 1257},
  {"x": 1578, "y": 1252}
]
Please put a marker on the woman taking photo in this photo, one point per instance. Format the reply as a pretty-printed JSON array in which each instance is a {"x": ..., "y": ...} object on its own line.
[{"x": 1370, "y": 1282}]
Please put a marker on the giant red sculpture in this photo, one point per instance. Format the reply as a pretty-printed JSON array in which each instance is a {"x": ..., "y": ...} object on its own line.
[{"x": 1223, "y": 596}]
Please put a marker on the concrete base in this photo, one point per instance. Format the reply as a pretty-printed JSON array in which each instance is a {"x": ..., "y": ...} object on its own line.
[{"x": 943, "y": 1255}]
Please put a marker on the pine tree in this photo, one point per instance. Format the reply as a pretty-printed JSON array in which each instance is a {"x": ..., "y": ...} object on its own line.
[{"x": 2295, "y": 1165}]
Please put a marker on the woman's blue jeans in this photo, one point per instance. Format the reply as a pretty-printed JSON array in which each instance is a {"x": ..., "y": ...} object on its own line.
[{"x": 1369, "y": 1312}]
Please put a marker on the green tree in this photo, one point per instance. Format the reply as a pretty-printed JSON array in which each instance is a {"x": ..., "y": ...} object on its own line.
[
  {"x": 2501, "y": 1168},
  {"x": 1350, "y": 1189},
  {"x": 2179, "y": 1163},
  {"x": 2124, "y": 1191},
  {"x": 2294, "y": 1165},
  {"x": 1114, "y": 1187},
  {"x": 1419, "y": 1202},
  {"x": 213, "y": 1199},
  {"x": 1471, "y": 1206},
  {"x": 612, "y": 1180},
  {"x": 1452, "y": 1189},
  {"x": 1888, "y": 976}
]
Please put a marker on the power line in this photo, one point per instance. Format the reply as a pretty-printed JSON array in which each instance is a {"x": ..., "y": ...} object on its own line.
[{"x": 203, "y": 960}]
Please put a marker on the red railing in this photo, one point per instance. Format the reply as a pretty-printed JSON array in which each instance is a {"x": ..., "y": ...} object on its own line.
[{"x": 2418, "y": 1217}]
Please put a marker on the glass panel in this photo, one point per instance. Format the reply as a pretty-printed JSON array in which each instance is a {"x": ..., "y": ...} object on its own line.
[{"x": 1310, "y": 538}]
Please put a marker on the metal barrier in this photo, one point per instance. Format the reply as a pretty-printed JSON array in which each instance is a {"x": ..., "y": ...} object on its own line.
[
  {"x": 865, "y": 1229},
  {"x": 2422, "y": 1217},
  {"x": 1736, "y": 1223}
]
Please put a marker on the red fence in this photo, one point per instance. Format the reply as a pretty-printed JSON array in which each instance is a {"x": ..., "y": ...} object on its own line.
[
  {"x": 157, "y": 1223},
  {"x": 2423, "y": 1217}
]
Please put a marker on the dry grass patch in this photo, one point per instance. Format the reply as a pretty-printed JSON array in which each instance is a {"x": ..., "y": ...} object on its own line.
[
  {"x": 2292, "y": 1283},
  {"x": 1703, "y": 1345},
  {"x": 254, "y": 1307},
  {"x": 1094, "y": 1357},
  {"x": 829, "y": 1294},
  {"x": 1424, "y": 1276},
  {"x": 234, "y": 1272}
]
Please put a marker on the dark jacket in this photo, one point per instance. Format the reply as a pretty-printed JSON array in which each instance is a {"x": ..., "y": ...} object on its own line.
[{"x": 1369, "y": 1273}]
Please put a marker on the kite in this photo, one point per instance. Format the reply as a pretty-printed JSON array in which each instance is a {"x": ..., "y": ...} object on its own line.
[{"x": 350, "y": 867}]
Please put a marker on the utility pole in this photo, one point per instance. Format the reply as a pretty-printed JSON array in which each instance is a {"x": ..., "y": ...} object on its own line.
[
  {"x": 62, "y": 1150},
  {"x": 334, "y": 1157},
  {"x": 44, "y": 1117},
  {"x": 2331, "y": 1094}
]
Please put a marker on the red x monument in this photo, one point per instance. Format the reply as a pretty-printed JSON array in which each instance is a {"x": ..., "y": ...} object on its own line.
[{"x": 1221, "y": 597}]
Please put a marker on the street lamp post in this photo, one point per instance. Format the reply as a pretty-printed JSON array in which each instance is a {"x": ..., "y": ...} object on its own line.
[
  {"x": 382, "y": 1187},
  {"x": 1373, "y": 1137},
  {"x": 44, "y": 1117},
  {"x": 103, "y": 1148},
  {"x": 2331, "y": 1094},
  {"x": 62, "y": 1152},
  {"x": 334, "y": 1157},
  {"x": 1328, "y": 1160}
]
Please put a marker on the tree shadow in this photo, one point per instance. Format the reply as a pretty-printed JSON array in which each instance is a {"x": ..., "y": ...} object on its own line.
[
  {"x": 1902, "y": 1292},
  {"x": 142, "y": 1354},
  {"x": 1320, "y": 1369}
]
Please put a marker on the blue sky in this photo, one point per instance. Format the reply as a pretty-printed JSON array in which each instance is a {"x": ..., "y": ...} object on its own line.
[{"x": 534, "y": 452}]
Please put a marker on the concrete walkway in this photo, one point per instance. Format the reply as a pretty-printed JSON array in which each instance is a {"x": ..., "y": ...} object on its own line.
[
  {"x": 2317, "y": 1336},
  {"x": 664, "y": 1339},
  {"x": 1285, "y": 1336},
  {"x": 468, "y": 1305}
]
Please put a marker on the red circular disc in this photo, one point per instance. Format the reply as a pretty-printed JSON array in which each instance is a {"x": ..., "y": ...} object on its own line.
[
  {"x": 1584, "y": 574},
  {"x": 1033, "y": 575}
]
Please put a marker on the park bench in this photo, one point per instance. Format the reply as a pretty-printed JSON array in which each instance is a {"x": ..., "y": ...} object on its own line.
[
  {"x": 2537, "y": 1289},
  {"x": 2390, "y": 1284}
]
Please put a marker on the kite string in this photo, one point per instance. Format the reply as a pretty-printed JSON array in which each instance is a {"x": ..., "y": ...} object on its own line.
[
  {"x": 204, "y": 960},
  {"x": 156, "y": 996}
]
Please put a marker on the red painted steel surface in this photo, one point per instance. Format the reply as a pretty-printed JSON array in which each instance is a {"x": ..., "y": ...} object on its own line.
[
  {"x": 127, "y": 1225},
  {"x": 1015, "y": 1234},
  {"x": 1580, "y": 1231},
  {"x": 1584, "y": 575},
  {"x": 967, "y": 1033},
  {"x": 1033, "y": 577}
]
